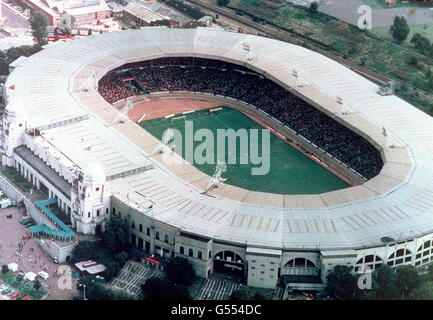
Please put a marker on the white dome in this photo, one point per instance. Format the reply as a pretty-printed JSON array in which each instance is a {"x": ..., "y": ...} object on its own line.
[{"x": 93, "y": 174}]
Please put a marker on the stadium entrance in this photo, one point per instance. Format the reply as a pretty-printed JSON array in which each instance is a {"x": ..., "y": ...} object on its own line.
[{"x": 228, "y": 262}]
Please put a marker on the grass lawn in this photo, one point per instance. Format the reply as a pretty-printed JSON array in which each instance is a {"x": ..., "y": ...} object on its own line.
[
  {"x": 22, "y": 286},
  {"x": 290, "y": 171},
  {"x": 18, "y": 179},
  {"x": 424, "y": 29}
]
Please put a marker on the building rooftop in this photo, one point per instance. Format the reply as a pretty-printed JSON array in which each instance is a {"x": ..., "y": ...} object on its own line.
[{"x": 144, "y": 13}]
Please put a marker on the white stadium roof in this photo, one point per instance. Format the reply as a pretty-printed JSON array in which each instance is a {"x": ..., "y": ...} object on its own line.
[{"x": 398, "y": 203}]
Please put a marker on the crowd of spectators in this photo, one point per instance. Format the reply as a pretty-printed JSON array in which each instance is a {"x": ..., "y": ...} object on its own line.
[{"x": 238, "y": 82}]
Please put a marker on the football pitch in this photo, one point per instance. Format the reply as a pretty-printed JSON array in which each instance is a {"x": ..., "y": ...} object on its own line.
[{"x": 290, "y": 171}]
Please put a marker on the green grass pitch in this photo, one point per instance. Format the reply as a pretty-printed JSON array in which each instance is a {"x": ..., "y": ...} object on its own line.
[{"x": 291, "y": 172}]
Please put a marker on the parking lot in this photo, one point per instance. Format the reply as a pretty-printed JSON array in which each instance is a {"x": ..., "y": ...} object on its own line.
[{"x": 28, "y": 255}]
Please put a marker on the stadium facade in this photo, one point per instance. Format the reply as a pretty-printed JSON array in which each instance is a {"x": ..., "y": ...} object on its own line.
[{"x": 61, "y": 135}]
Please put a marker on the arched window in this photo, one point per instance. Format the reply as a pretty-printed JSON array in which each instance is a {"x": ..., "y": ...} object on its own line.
[
  {"x": 199, "y": 255},
  {"x": 299, "y": 263},
  {"x": 399, "y": 257},
  {"x": 148, "y": 231},
  {"x": 424, "y": 254},
  {"x": 190, "y": 253},
  {"x": 141, "y": 227},
  {"x": 229, "y": 256},
  {"x": 182, "y": 250},
  {"x": 166, "y": 238},
  {"x": 157, "y": 235},
  {"x": 371, "y": 261},
  {"x": 114, "y": 211}
]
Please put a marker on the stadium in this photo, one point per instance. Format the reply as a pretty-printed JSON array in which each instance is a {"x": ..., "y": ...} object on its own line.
[{"x": 350, "y": 181}]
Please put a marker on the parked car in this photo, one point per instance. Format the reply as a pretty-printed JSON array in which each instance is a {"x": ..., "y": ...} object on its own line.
[
  {"x": 15, "y": 294},
  {"x": 6, "y": 291},
  {"x": 25, "y": 298},
  {"x": 19, "y": 297},
  {"x": 3, "y": 287}
]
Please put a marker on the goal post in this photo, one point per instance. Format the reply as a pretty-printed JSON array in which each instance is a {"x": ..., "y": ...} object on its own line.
[{"x": 179, "y": 118}]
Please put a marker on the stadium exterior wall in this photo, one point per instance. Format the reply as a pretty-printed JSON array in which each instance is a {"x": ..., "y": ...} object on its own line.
[{"x": 265, "y": 267}]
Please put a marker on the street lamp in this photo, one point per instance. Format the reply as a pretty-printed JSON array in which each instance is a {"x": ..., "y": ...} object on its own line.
[{"x": 84, "y": 291}]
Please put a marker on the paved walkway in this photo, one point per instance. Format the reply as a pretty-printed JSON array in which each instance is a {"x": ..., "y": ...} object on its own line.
[{"x": 29, "y": 256}]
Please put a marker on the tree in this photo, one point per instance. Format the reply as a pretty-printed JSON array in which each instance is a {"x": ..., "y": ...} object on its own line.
[
  {"x": 116, "y": 236},
  {"x": 66, "y": 23},
  {"x": 39, "y": 23},
  {"x": 15, "y": 52},
  {"x": 223, "y": 3},
  {"x": 121, "y": 295},
  {"x": 94, "y": 290},
  {"x": 313, "y": 8},
  {"x": 342, "y": 283},
  {"x": 413, "y": 60},
  {"x": 399, "y": 29},
  {"x": 37, "y": 285},
  {"x": 84, "y": 250},
  {"x": 240, "y": 294},
  {"x": 158, "y": 289},
  {"x": 180, "y": 271},
  {"x": 384, "y": 284},
  {"x": 408, "y": 279},
  {"x": 4, "y": 66},
  {"x": 246, "y": 294},
  {"x": 5, "y": 269},
  {"x": 423, "y": 292},
  {"x": 421, "y": 43}
]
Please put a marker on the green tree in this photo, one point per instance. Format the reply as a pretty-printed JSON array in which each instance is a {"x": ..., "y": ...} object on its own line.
[
  {"x": 408, "y": 279},
  {"x": 384, "y": 284},
  {"x": 39, "y": 23},
  {"x": 5, "y": 269},
  {"x": 66, "y": 23},
  {"x": 37, "y": 285},
  {"x": 240, "y": 294},
  {"x": 4, "y": 66},
  {"x": 423, "y": 292},
  {"x": 116, "y": 236},
  {"x": 313, "y": 8},
  {"x": 180, "y": 271},
  {"x": 342, "y": 283},
  {"x": 121, "y": 295},
  {"x": 223, "y": 3},
  {"x": 94, "y": 290},
  {"x": 84, "y": 250},
  {"x": 15, "y": 52},
  {"x": 421, "y": 43},
  {"x": 158, "y": 289},
  {"x": 399, "y": 29}
]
